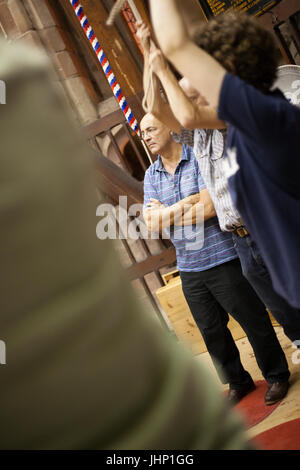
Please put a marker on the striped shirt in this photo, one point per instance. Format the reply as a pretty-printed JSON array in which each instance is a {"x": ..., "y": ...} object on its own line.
[
  {"x": 209, "y": 149},
  {"x": 194, "y": 252}
]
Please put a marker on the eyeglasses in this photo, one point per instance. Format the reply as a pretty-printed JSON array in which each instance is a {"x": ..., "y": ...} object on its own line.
[{"x": 150, "y": 131}]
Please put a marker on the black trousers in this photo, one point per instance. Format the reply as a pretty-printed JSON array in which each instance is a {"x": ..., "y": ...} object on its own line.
[
  {"x": 210, "y": 295},
  {"x": 255, "y": 270}
]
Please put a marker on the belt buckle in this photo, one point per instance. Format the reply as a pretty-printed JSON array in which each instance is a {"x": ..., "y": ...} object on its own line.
[{"x": 242, "y": 232}]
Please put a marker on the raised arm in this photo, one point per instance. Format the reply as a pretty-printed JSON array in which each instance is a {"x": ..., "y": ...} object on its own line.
[
  {"x": 189, "y": 113},
  {"x": 144, "y": 37},
  {"x": 160, "y": 110},
  {"x": 204, "y": 72}
]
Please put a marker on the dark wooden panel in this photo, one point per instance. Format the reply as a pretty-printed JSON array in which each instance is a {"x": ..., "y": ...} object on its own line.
[
  {"x": 279, "y": 13},
  {"x": 213, "y": 8},
  {"x": 124, "y": 67},
  {"x": 152, "y": 263}
]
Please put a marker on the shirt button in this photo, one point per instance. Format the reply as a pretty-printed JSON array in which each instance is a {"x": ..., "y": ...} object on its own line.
[{"x": 219, "y": 196}]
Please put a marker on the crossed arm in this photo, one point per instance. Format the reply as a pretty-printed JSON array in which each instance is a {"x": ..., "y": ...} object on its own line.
[{"x": 190, "y": 210}]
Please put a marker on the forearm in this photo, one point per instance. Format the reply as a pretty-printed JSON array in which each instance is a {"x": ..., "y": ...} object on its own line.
[
  {"x": 204, "y": 72},
  {"x": 146, "y": 73},
  {"x": 197, "y": 208},
  {"x": 189, "y": 114},
  {"x": 158, "y": 219},
  {"x": 180, "y": 105},
  {"x": 166, "y": 13},
  {"x": 153, "y": 94},
  {"x": 188, "y": 211},
  {"x": 197, "y": 214}
]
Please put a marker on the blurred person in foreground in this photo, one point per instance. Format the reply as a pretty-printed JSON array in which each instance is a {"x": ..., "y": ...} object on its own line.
[{"x": 86, "y": 368}]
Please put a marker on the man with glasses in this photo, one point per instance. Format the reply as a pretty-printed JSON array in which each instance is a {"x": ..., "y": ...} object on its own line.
[{"x": 210, "y": 271}]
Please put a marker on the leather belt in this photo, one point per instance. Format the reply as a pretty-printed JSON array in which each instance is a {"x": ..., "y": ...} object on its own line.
[{"x": 241, "y": 232}]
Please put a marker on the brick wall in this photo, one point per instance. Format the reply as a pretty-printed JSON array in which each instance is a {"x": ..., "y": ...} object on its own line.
[{"x": 31, "y": 21}]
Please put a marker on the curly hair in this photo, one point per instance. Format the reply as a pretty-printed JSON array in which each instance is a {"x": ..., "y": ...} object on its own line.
[{"x": 241, "y": 46}]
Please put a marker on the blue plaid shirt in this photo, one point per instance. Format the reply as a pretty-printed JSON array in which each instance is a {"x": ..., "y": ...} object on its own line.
[{"x": 194, "y": 253}]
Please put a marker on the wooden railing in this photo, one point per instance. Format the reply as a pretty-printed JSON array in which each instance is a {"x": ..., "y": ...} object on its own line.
[{"x": 113, "y": 182}]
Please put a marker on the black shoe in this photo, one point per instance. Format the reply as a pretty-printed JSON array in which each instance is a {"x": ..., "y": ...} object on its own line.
[
  {"x": 276, "y": 392},
  {"x": 234, "y": 396}
]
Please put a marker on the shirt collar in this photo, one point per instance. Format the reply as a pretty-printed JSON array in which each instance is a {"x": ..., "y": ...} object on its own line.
[{"x": 185, "y": 155}]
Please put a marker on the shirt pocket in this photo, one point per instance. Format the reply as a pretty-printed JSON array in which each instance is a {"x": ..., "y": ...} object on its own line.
[{"x": 189, "y": 184}]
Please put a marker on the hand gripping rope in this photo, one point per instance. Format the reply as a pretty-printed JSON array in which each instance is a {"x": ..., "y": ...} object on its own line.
[
  {"x": 110, "y": 20},
  {"x": 105, "y": 65}
]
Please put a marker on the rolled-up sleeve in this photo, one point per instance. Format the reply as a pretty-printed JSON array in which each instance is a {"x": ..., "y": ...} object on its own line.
[{"x": 149, "y": 189}]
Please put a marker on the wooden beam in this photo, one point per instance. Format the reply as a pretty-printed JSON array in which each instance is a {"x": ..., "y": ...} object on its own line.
[
  {"x": 114, "y": 119},
  {"x": 102, "y": 124},
  {"x": 114, "y": 182},
  {"x": 153, "y": 263}
]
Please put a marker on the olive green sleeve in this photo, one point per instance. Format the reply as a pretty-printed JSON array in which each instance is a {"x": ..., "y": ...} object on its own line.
[{"x": 86, "y": 367}]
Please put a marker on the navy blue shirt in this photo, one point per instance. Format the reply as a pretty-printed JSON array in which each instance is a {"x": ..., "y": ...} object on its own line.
[
  {"x": 264, "y": 181},
  {"x": 198, "y": 247}
]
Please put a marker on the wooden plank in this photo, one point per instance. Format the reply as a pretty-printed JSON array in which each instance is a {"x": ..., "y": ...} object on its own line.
[
  {"x": 103, "y": 124},
  {"x": 113, "y": 181},
  {"x": 113, "y": 119},
  {"x": 126, "y": 33},
  {"x": 169, "y": 277},
  {"x": 153, "y": 263},
  {"x": 135, "y": 148}
]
